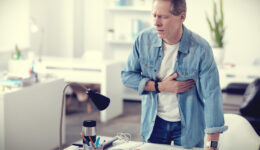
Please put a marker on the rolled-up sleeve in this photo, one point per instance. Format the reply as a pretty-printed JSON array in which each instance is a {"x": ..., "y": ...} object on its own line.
[
  {"x": 216, "y": 129},
  {"x": 209, "y": 89},
  {"x": 131, "y": 75}
]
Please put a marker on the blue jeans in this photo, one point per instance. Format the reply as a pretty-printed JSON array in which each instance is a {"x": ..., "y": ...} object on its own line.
[{"x": 164, "y": 132}]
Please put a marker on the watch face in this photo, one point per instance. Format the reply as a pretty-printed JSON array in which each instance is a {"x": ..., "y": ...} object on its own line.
[{"x": 214, "y": 144}]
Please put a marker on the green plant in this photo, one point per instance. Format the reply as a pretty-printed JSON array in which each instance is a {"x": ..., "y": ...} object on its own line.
[
  {"x": 111, "y": 30},
  {"x": 217, "y": 28}
]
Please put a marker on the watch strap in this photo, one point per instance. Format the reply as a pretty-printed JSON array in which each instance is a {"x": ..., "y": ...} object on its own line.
[
  {"x": 212, "y": 144},
  {"x": 156, "y": 87}
]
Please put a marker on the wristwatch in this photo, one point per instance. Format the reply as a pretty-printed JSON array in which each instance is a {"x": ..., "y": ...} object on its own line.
[
  {"x": 212, "y": 144},
  {"x": 156, "y": 87}
]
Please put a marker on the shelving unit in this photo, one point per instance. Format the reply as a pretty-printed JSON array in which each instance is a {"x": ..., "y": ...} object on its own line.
[{"x": 125, "y": 22}]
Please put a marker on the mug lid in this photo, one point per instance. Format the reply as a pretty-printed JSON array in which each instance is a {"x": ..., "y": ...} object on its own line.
[{"x": 89, "y": 123}]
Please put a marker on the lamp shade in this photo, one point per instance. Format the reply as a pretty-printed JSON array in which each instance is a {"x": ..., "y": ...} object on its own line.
[{"x": 100, "y": 101}]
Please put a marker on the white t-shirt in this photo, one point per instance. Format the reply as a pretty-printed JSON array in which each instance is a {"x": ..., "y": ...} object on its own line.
[{"x": 168, "y": 103}]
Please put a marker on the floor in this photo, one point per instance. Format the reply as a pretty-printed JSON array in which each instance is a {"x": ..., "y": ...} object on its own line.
[{"x": 129, "y": 121}]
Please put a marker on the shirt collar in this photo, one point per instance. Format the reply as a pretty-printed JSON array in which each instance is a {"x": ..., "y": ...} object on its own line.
[
  {"x": 157, "y": 42},
  {"x": 185, "y": 40}
]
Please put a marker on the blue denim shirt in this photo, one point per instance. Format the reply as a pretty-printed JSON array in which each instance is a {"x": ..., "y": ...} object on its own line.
[{"x": 200, "y": 107}]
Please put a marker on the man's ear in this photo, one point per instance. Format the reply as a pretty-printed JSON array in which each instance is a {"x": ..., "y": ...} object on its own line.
[{"x": 183, "y": 16}]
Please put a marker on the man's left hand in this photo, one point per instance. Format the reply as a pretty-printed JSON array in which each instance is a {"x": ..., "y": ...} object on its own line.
[{"x": 212, "y": 137}]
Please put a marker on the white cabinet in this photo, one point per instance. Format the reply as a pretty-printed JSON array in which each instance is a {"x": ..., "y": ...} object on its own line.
[
  {"x": 30, "y": 116},
  {"x": 122, "y": 25}
]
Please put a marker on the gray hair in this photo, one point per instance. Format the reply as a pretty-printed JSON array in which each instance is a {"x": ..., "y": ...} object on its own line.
[{"x": 178, "y": 6}]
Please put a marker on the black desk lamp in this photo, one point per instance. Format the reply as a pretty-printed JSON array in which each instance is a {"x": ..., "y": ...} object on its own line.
[{"x": 100, "y": 101}]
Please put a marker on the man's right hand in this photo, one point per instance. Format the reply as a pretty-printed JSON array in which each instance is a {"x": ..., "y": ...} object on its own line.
[{"x": 173, "y": 86}]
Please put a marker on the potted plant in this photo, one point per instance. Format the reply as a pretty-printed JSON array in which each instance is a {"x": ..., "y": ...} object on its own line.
[{"x": 217, "y": 32}]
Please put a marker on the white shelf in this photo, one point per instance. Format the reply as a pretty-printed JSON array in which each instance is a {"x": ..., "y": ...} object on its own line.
[{"x": 130, "y": 8}]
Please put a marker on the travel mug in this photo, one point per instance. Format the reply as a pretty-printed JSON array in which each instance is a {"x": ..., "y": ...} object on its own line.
[{"x": 89, "y": 131}]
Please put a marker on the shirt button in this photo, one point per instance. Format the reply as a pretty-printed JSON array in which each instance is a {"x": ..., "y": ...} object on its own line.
[
  {"x": 183, "y": 126},
  {"x": 154, "y": 70}
]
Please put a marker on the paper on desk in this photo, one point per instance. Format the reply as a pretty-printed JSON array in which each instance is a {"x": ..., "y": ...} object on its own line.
[
  {"x": 147, "y": 146},
  {"x": 72, "y": 148},
  {"x": 141, "y": 146},
  {"x": 150, "y": 146},
  {"x": 126, "y": 146}
]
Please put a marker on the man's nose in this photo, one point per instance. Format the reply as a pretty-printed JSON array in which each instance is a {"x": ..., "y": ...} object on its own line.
[{"x": 157, "y": 22}]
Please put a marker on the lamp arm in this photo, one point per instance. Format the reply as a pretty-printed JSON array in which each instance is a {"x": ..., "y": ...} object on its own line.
[
  {"x": 61, "y": 116},
  {"x": 99, "y": 100},
  {"x": 62, "y": 108}
]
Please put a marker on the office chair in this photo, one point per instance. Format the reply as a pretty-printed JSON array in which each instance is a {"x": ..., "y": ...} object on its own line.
[{"x": 249, "y": 108}]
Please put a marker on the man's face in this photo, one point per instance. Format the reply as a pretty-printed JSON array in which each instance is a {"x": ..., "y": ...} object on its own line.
[{"x": 167, "y": 25}]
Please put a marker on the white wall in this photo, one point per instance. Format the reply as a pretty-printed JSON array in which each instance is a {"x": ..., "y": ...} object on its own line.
[
  {"x": 74, "y": 26},
  {"x": 243, "y": 30},
  {"x": 14, "y": 28},
  {"x": 4, "y": 57},
  {"x": 56, "y": 18},
  {"x": 242, "y": 26},
  {"x": 14, "y": 24},
  {"x": 94, "y": 24},
  {"x": 78, "y": 28},
  {"x": 71, "y": 26}
]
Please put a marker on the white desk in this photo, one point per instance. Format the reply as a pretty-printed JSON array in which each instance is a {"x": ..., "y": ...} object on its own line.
[
  {"x": 239, "y": 74},
  {"x": 29, "y": 117},
  {"x": 105, "y": 73},
  {"x": 132, "y": 145}
]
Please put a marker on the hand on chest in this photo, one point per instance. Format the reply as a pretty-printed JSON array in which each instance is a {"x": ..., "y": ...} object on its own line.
[{"x": 162, "y": 67}]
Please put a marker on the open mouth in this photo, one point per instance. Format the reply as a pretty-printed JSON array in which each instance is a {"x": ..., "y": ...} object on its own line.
[{"x": 160, "y": 31}]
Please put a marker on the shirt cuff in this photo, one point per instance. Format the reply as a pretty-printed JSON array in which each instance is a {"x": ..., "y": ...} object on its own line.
[
  {"x": 142, "y": 85},
  {"x": 216, "y": 129}
]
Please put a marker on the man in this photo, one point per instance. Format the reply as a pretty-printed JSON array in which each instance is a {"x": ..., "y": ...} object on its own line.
[{"x": 174, "y": 71}]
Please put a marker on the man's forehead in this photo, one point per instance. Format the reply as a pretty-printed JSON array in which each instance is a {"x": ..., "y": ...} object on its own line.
[{"x": 161, "y": 7}]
